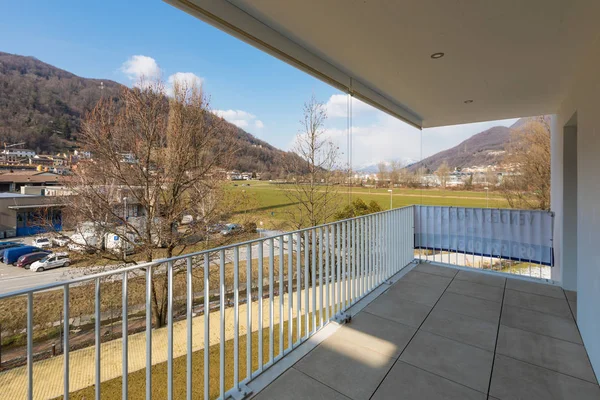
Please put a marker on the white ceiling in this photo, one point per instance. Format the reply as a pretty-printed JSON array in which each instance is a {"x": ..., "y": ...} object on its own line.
[{"x": 511, "y": 57}]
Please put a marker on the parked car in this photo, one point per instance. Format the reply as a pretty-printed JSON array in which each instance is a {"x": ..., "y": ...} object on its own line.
[
  {"x": 60, "y": 241},
  {"x": 231, "y": 229},
  {"x": 8, "y": 245},
  {"x": 12, "y": 255},
  {"x": 52, "y": 260},
  {"x": 42, "y": 242},
  {"x": 28, "y": 259}
]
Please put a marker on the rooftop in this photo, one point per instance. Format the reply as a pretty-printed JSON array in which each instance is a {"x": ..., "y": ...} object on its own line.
[{"x": 444, "y": 332}]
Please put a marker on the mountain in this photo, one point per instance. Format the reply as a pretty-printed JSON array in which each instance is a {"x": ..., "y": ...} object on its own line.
[
  {"x": 482, "y": 149},
  {"x": 42, "y": 107},
  {"x": 374, "y": 168}
]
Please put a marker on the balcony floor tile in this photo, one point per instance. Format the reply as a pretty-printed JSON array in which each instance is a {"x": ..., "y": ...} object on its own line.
[
  {"x": 403, "y": 311},
  {"x": 461, "y": 363},
  {"x": 416, "y": 293},
  {"x": 470, "y": 306},
  {"x": 352, "y": 370},
  {"x": 468, "y": 330},
  {"x": 542, "y": 323},
  {"x": 436, "y": 270},
  {"x": 513, "y": 379},
  {"x": 554, "y": 354},
  {"x": 386, "y": 337},
  {"x": 545, "y": 304},
  {"x": 294, "y": 385},
  {"x": 535, "y": 288},
  {"x": 478, "y": 290},
  {"x": 478, "y": 277},
  {"x": 425, "y": 279},
  {"x": 416, "y": 384}
]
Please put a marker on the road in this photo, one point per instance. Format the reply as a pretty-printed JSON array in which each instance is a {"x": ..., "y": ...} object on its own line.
[{"x": 14, "y": 278}]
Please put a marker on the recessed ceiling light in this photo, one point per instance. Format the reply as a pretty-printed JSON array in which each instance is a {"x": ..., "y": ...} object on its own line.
[
  {"x": 468, "y": 101},
  {"x": 437, "y": 55}
]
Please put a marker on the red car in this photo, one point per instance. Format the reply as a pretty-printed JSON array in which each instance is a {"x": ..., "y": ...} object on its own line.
[{"x": 26, "y": 260}]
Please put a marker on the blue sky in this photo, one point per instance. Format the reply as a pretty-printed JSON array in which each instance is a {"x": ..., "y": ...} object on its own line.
[{"x": 101, "y": 39}]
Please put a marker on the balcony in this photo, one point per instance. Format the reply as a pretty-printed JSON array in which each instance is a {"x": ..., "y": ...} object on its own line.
[
  {"x": 442, "y": 332},
  {"x": 361, "y": 308}
]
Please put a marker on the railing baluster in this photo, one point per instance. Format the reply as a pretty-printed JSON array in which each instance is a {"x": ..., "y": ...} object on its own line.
[
  {"x": 149, "y": 333},
  {"x": 290, "y": 283},
  {"x": 327, "y": 273},
  {"x": 321, "y": 310},
  {"x": 66, "y": 329},
  {"x": 222, "y": 323},
  {"x": 314, "y": 279},
  {"x": 125, "y": 340},
  {"x": 249, "y": 311},
  {"x": 298, "y": 288},
  {"x": 236, "y": 324},
  {"x": 343, "y": 277},
  {"x": 97, "y": 338},
  {"x": 190, "y": 309},
  {"x": 271, "y": 298},
  {"x": 260, "y": 306},
  {"x": 170, "y": 330},
  {"x": 281, "y": 295},
  {"x": 206, "y": 326},
  {"x": 30, "y": 345},
  {"x": 306, "y": 283}
]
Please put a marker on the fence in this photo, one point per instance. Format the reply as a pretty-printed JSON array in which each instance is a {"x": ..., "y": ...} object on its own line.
[
  {"x": 306, "y": 279},
  {"x": 513, "y": 241}
]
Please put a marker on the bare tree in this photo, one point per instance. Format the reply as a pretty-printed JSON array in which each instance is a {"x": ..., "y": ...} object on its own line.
[
  {"x": 443, "y": 174},
  {"x": 156, "y": 160},
  {"x": 528, "y": 186},
  {"x": 394, "y": 172},
  {"x": 382, "y": 172},
  {"x": 313, "y": 192}
]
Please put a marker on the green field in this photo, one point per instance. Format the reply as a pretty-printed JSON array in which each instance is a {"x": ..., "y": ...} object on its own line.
[{"x": 271, "y": 206}]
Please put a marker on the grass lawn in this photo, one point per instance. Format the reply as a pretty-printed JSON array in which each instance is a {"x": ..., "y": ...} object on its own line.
[
  {"x": 137, "y": 380},
  {"x": 273, "y": 206}
]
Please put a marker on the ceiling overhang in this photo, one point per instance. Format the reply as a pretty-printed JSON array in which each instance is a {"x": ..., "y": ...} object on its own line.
[{"x": 503, "y": 59}]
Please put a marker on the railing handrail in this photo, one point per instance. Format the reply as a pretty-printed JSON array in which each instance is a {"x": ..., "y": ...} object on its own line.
[{"x": 161, "y": 261}]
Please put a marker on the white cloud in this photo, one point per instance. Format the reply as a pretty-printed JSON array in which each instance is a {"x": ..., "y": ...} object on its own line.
[
  {"x": 240, "y": 118},
  {"x": 185, "y": 78},
  {"x": 391, "y": 139},
  {"x": 138, "y": 67},
  {"x": 337, "y": 106}
]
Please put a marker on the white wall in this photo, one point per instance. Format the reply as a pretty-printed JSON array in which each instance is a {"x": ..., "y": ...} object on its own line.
[{"x": 583, "y": 99}]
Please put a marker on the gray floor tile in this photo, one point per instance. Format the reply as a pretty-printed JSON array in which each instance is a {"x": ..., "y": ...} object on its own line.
[
  {"x": 549, "y": 305},
  {"x": 571, "y": 295},
  {"x": 436, "y": 270},
  {"x": 541, "y": 289},
  {"x": 542, "y": 323},
  {"x": 416, "y": 384},
  {"x": 375, "y": 333},
  {"x": 403, "y": 311},
  {"x": 294, "y": 385},
  {"x": 421, "y": 278},
  {"x": 513, "y": 379},
  {"x": 544, "y": 351},
  {"x": 478, "y": 277},
  {"x": 468, "y": 330},
  {"x": 470, "y": 306},
  {"x": 354, "y": 371},
  {"x": 461, "y": 363},
  {"x": 416, "y": 293},
  {"x": 478, "y": 290}
]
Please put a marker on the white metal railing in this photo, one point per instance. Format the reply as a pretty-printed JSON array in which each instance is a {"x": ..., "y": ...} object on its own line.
[
  {"x": 306, "y": 279},
  {"x": 506, "y": 240}
]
